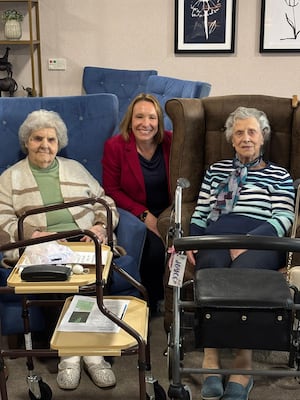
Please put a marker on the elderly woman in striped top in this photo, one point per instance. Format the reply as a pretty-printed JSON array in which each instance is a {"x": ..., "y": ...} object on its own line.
[{"x": 246, "y": 195}]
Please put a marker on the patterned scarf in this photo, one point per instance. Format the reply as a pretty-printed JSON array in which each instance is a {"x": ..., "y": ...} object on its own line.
[{"x": 228, "y": 191}]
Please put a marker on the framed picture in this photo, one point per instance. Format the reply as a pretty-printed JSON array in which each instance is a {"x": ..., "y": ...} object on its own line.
[
  {"x": 280, "y": 26},
  {"x": 204, "y": 26}
]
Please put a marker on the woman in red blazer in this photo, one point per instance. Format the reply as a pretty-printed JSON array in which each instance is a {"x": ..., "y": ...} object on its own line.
[{"x": 136, "y": 175}]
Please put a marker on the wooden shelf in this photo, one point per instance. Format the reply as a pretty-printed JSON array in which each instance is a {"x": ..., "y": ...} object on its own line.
[
  {"x": 18, "y": 1},
  {"x": 33, "y": 43},
  {"x": 19, "y": 42}
]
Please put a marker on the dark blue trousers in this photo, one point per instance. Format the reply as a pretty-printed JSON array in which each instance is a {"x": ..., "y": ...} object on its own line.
[{"x": 220, "y": 258}]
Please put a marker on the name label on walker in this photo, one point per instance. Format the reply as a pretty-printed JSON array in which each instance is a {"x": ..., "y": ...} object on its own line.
[{"x": 177, "y": 270}]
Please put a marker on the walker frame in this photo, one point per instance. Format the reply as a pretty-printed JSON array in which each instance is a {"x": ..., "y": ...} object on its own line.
[
  {"x": 149, "y": 389},
  {"x": 177, "y": 389}
]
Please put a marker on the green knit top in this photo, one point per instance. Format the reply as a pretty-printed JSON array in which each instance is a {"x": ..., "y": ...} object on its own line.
[{"x": 47, "y": 180}]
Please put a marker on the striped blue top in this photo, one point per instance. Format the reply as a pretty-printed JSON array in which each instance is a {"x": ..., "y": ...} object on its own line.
[{"x": 267, "y": 195}]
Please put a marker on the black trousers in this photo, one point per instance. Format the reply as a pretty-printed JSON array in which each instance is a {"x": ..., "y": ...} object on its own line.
[{"x": 153, "y": 267}]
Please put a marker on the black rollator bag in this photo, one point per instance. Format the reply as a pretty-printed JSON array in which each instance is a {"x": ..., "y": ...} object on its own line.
[{"x": 243, "y": 308}]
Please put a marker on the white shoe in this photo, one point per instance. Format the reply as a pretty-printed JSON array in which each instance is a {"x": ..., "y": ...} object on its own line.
[
  {"x": 68, "y": 376},
  {"x": 100, "y": 371}
]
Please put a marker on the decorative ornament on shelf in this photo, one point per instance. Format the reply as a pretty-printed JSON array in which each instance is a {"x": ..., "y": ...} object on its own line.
[{"x": 12, "y": 24}]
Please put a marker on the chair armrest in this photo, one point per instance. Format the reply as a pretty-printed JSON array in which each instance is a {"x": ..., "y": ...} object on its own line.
[{"x": 164, "y": 222}]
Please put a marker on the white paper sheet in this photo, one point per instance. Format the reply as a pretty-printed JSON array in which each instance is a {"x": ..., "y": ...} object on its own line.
[
  {"x": 77, "y": 257},
  {"x": 83, "y": 315}
]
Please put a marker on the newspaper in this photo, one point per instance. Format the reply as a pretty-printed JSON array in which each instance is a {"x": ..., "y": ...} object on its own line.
[{"x": 83, "y": 315}]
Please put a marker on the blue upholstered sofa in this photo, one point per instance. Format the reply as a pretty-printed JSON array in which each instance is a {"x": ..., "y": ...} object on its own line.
[
  {"x": 90, "y": 120},
  {"x": 126, "y": 84}
]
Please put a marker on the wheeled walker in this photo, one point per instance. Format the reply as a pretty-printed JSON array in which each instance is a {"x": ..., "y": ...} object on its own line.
[
  {"x": 134, "y": 337},
  {"x": 258, "y": 305}
]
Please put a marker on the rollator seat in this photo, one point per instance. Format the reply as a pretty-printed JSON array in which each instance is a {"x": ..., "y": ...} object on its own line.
[{"x": 243, "y": 308}]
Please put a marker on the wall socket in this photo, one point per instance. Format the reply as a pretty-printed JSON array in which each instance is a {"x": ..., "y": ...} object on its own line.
[{"x": 57, "y": 64}]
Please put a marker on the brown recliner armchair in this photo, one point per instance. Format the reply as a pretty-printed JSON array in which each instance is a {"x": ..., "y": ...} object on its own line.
[{"x": 199, "y": 140}]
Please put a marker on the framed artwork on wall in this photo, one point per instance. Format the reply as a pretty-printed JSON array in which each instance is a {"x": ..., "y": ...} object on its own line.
[
  {"x": 205, "y": 26},
  {"x": 280, "y": 26}
]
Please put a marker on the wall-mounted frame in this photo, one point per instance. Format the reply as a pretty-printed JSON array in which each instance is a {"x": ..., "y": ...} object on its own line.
[
  {"x": 279, "y": 26},
  {"x": 205, "y": 26}
]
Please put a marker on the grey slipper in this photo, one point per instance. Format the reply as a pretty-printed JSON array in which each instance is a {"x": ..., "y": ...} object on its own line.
[
  {"x": 212, "y": 388},
  {"x": 236, "y": 391}
]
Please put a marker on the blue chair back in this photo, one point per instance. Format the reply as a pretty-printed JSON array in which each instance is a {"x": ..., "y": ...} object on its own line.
[
  {"x": 90, "y": 121},
  {"x": 126, "y": 84},
  {"x": 165, "y": 88}
]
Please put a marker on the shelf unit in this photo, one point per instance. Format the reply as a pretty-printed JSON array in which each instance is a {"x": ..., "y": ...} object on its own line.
[{"x": 33, "y": 42}]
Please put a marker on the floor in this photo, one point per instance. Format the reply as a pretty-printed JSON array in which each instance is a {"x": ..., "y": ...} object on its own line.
[{"x": 125, "y": 368}]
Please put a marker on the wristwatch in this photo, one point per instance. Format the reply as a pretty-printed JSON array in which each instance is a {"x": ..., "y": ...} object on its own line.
[
  {"x": 104, "y": 226},
  {"x": 143, "y": 216}
]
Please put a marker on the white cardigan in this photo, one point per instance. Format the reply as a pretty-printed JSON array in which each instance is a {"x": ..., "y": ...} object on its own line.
[{"x": 19, "y": 192}]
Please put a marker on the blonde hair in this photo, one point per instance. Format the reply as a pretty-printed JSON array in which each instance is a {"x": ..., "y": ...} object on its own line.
[{"x": 125, "y": 125}]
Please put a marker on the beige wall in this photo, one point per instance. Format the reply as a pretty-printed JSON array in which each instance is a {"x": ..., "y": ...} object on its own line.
[{"x": 139, "y": 34}]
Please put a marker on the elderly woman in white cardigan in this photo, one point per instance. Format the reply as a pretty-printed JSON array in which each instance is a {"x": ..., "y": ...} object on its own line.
[{"x": 40, "y": 179}]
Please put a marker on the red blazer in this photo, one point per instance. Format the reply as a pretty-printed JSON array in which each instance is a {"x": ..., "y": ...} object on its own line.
[{"x": 122, "y": 174}]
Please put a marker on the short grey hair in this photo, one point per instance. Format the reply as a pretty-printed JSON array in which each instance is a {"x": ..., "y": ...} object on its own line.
[
  {"x": 41, "y": 119},
  {"x": 244, "y": 113}
]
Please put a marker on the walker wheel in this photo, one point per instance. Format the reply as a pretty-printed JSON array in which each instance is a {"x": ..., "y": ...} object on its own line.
[
  {"x": 159, "y": 392},
  {"x": 187, "y": 393},
  {"x": 46, "y": 392},
  {"x": 181, "y": 392}
]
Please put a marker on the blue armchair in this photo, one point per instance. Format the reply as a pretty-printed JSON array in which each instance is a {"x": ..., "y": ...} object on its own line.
[
  {"x": 10, "y": 311},
  {"x": 126, "y": 84},
  {"x": 90, "y": 120}
]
